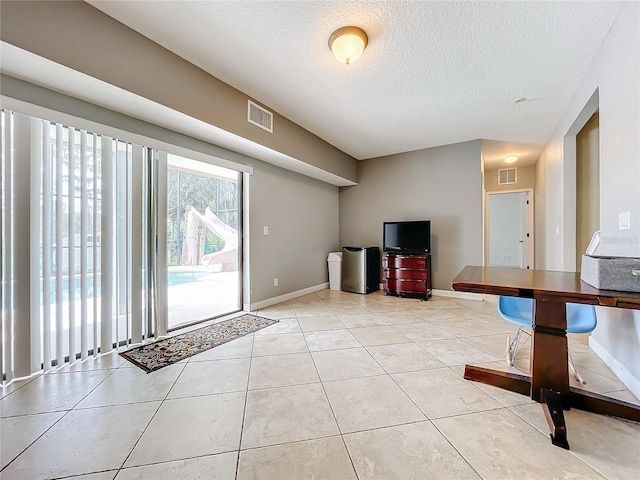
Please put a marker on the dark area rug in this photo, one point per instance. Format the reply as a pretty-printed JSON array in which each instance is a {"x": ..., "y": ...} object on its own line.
[{"x": 162, "y": 353}]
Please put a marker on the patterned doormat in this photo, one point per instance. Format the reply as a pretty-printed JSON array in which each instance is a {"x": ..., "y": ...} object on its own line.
[{"x": 153, "y": 356}]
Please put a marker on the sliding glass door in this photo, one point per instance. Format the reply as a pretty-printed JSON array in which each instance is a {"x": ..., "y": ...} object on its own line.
[
  {"x": 202, "y": 241},
  {"x": 106, "y": 243}
]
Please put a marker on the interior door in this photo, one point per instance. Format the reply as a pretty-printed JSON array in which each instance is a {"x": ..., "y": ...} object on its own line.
[{"x": 510, "y": 230}]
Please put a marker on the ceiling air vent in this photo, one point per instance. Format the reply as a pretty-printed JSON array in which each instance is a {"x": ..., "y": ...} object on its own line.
[
  {"x": 507, "y": 176},
  {"x": 260, "y": 117}
]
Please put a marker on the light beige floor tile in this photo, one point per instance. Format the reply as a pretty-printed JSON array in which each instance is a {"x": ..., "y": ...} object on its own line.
[
  {"x": 345, "y": 363},
  {"x": 281, "y": 310},
  {"x": 435, "y": 314},
  {"x": 279, "y": 344},
  {"x": 361, "y": 320},
  {"x": 473, "y": 313},
  {"x": 322, "y": 458},
  {"x": 382, "y": 306},
  {"x": 282, "y": 371},
  {"x": 520, "y": 366},
  {"x": 404, "y": 357},
  {"x": 331, "y": 340},
  {"x": 131, "y": 385},
  {"x": 462, "y": 328},
  {"x": 441, "y": 393},
  {"x": 211, "y": 467},
  {"x": 191, "y": 427},
  {"x": 607, "y": 444},
  {"x": 287, "y": 414},
  {"x": 101, "y": 362},
  {"x": 348, "y": 309},
  {"x": 498, "y": 444},
  {"x": 413, "y": 451},
  {"x": 464, "y": 302},
  {"x": 215, "y": 376},
  {"x": 17, "y": 433},
  {"x": 15, "y": 385},
  {"x": 457, "y": 351},
  {"x": 312, "y": 311},
  {"x": 496, "y": 324},
  {"x": 84, "y": 441},
  {"x": 110, "y": 475},
  {"x": 325, "y": 322},
  {"x": 399, "y": 318},
  {"x": 624, "y": 395},
  {"x": 311, "y": 298},
  {"x": 378, "y": 336},
  {"x": 357, "y": 407},
  {"x": 238, "y": 348},
  {"x": 505, "y": 397},
  {"x": 595, "y": 382},
  {"x": 284, "y": 325},
  {"x": 589, "y": 361},
  {"x": 50, "y": 393},
  {"x": 496, "y": 345},
  {"x": 328, "y": 294},
  {"x": 422, "y": 332}
]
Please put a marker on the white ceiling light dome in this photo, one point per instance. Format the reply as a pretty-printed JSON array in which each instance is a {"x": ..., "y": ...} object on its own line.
[{"x": 348, "y": 43}]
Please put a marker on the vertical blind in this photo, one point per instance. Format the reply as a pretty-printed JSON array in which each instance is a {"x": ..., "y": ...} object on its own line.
[{"x": 75, "y": 244}]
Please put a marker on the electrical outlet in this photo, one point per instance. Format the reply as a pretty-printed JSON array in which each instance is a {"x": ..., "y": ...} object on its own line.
[
  {"x": 624, "y": 221},
  {"x": 265, "y": 230},
  {"x": 275, "y": 282}
]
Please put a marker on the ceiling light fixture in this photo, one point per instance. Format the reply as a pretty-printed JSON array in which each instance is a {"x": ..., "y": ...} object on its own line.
[
  {"x": 348, "y": 43},
  {"x": 511, "y": 158}
]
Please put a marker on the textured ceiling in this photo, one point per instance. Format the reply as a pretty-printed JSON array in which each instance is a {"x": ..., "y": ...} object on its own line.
[{"x": 434, "y": 73}]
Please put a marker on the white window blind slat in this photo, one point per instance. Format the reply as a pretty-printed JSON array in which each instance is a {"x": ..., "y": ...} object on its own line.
[
  {"x": 47, "y": 217},
  {"x": 34, "y": 239},
  {"x": 59, "y": 175},
  {"x": 71, "y": 242},
  {"x": 7, "y": 254},
  {"x": 106, "y": 274},
  {"x": 96, "y": 243},
  {"x": 84, "y": 232},
  {"x": 136, "y": 263}
]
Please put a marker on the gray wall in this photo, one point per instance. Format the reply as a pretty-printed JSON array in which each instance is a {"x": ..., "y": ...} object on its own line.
[
  {"x": 615, "y": 75},
  {"x": 442, "y": 184},
  {"x": 79, "y": 36},
  {"x": 526, "y": 178},
  {"x": 302, "y": 213},
  {"x": 302, "y": 216}
]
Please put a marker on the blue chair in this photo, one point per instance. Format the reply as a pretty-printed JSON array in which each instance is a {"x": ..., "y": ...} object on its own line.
[{"x": 580, "y": 319}]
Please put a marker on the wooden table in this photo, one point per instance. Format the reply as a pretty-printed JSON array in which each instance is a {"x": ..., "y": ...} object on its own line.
[{"x": 548, "y": 379}]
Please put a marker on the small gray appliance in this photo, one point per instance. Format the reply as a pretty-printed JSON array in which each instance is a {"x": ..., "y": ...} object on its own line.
[{"x": 360, "y": 269}]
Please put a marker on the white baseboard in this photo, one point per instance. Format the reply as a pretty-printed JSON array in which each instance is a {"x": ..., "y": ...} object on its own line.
[
  {"x": 305, "y": 291},
  {"x": 629, "y": 381},
  {"x": 454, "y": 294},
  {"x": 283, "y": 298}
]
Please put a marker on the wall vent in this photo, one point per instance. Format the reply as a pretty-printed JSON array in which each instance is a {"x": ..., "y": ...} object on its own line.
[
  {"x": 507, "y": 176},
  {"x": 260, "y": 117}
]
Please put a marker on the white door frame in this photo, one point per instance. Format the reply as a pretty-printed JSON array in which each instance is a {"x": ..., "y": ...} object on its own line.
[{"x": 530, "y": 252}]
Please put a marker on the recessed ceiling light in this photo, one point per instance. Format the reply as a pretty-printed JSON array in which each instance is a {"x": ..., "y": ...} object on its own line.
[{"x": 511, "y": 158}]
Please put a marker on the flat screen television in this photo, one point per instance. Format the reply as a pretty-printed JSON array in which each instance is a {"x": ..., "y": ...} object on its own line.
[{"x": 407, "y": 237}]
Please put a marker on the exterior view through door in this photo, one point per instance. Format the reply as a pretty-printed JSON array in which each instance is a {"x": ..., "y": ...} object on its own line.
[{"x": 203, "y": 241}]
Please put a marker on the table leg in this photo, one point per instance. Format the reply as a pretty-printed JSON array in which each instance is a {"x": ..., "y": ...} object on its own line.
[
  {"x": 549, "y": 358},
  {"x": 552, "y": 408}
]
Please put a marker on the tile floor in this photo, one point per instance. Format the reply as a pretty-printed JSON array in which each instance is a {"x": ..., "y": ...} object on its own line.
[{"x": 343, "y": 387}]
